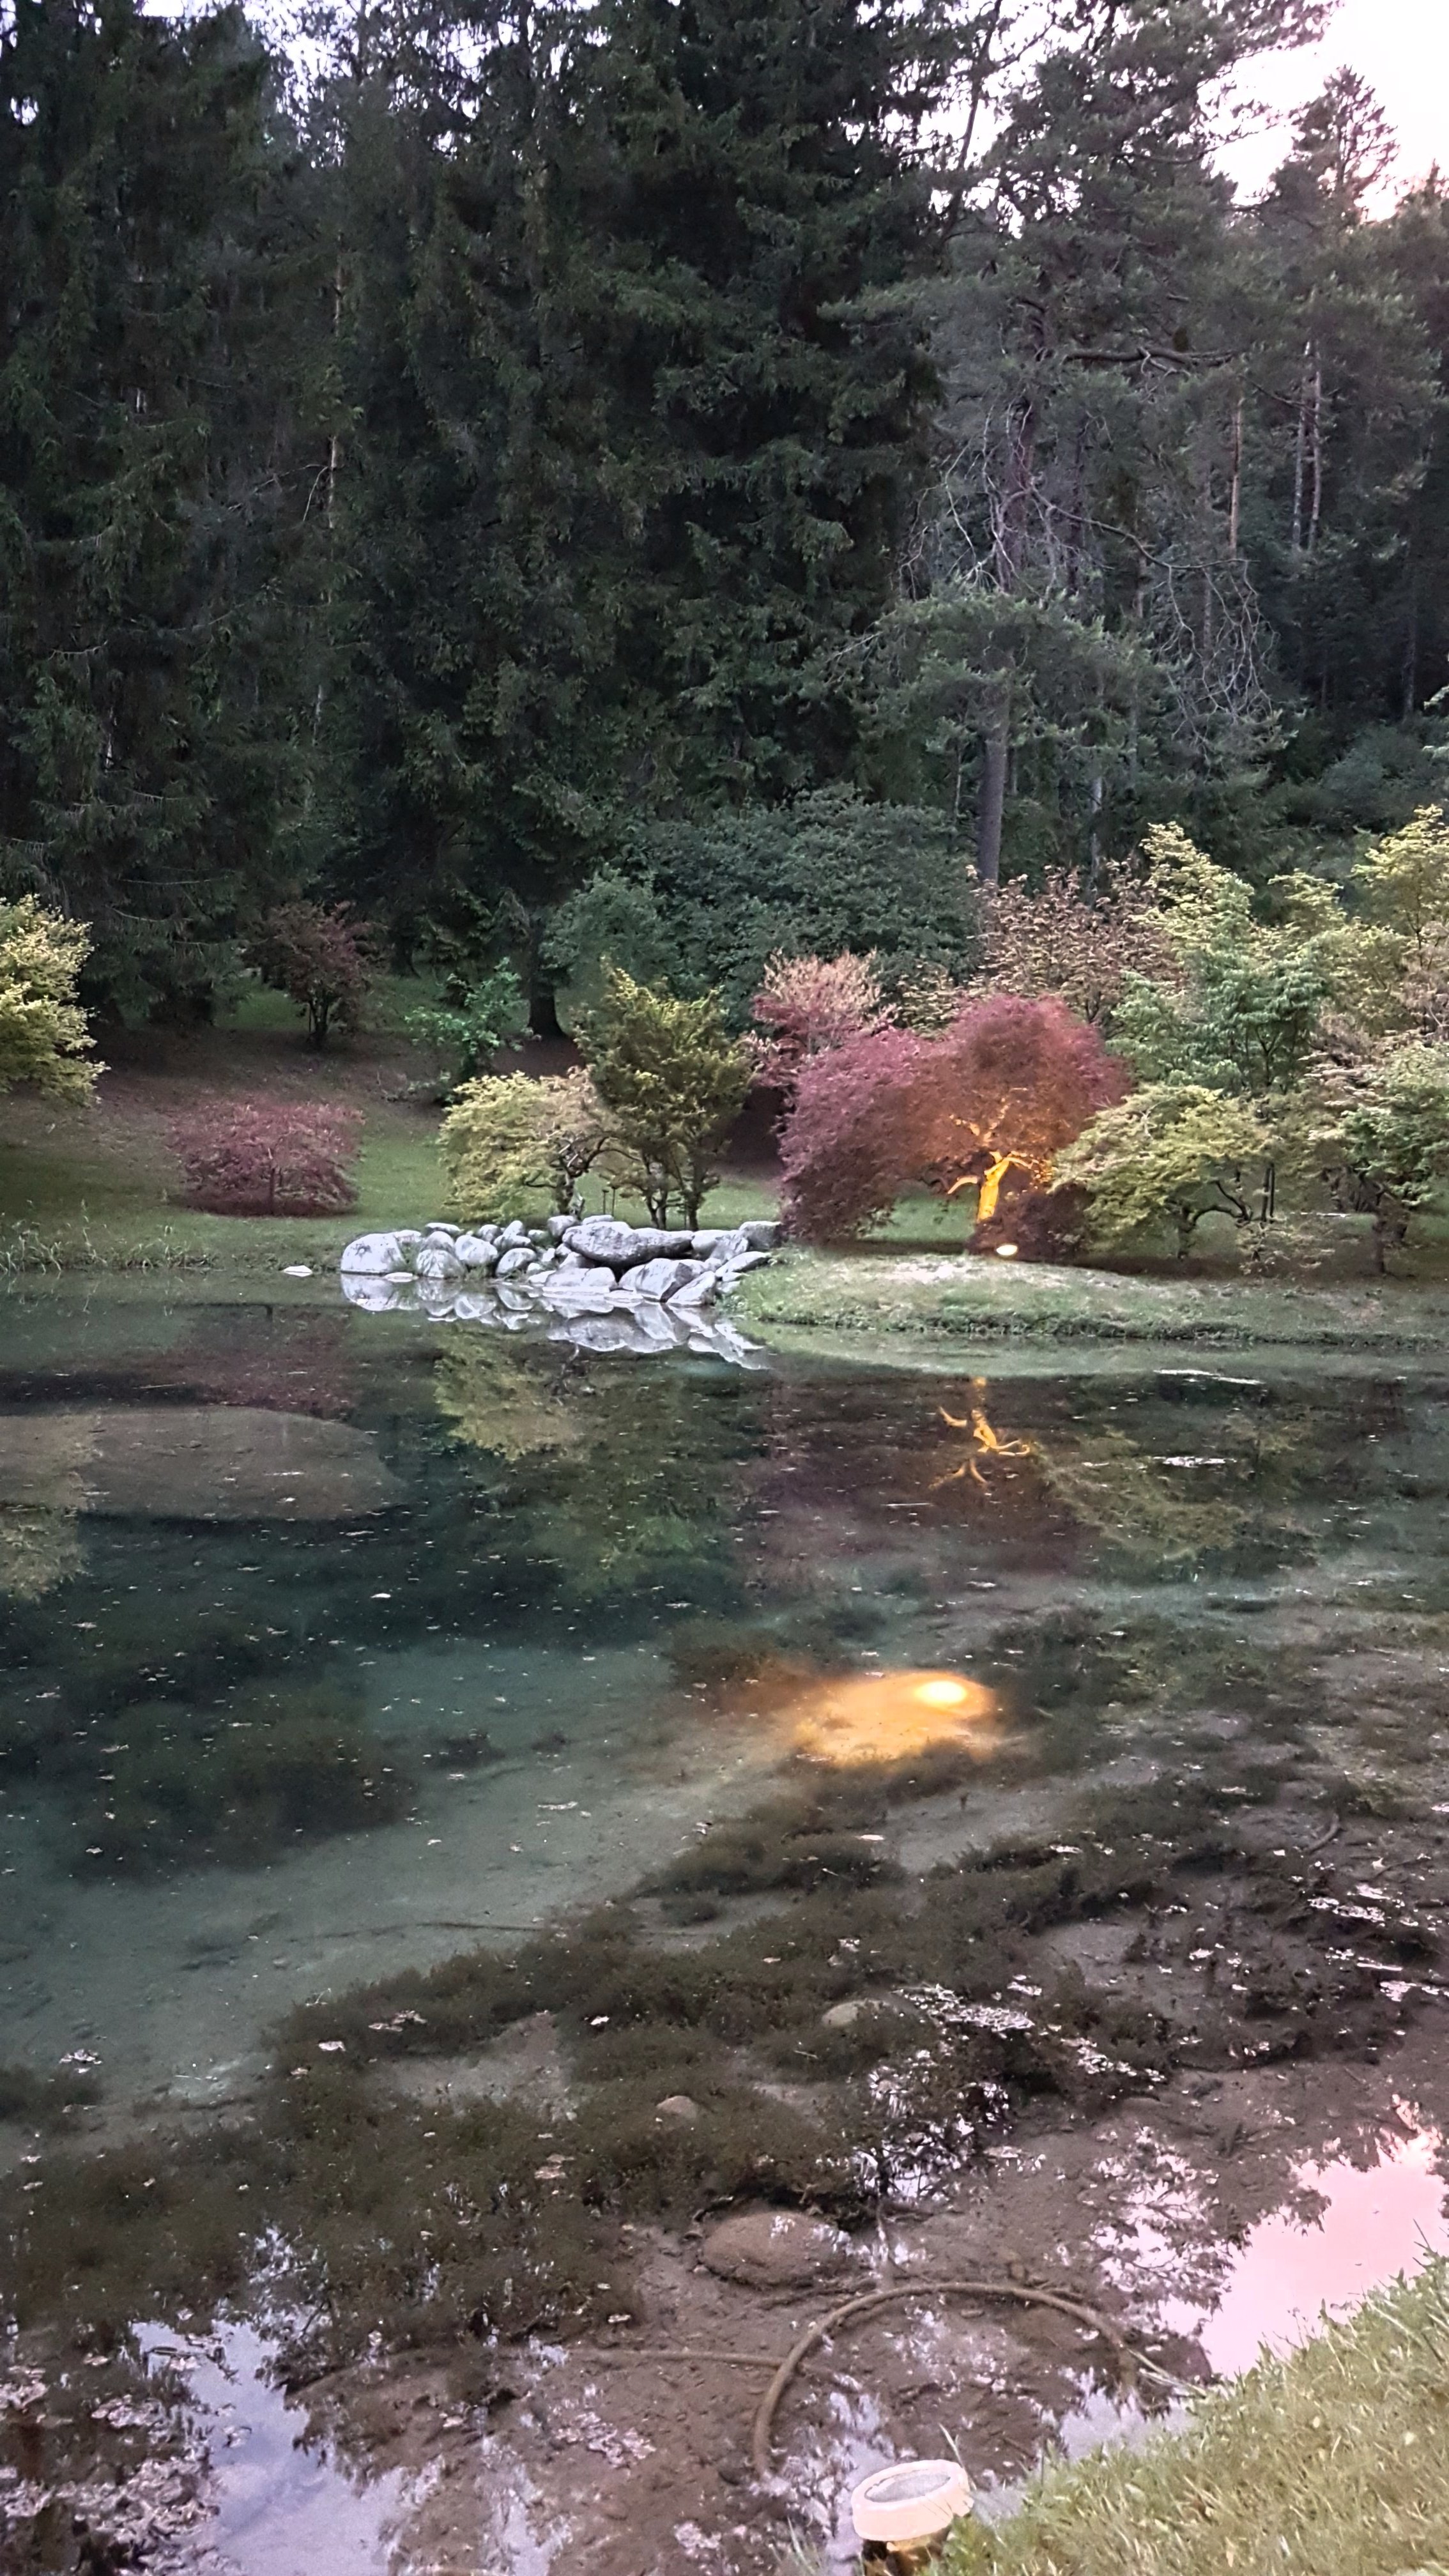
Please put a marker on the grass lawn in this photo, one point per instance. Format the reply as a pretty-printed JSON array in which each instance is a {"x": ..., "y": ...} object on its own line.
[
  {"x": 91, "y": 1188},
  {"x": 823, "y": 1301},
  {"x": 1334, "y": 2462}
]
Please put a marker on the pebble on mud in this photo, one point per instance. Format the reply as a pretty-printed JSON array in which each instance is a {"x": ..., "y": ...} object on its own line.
[
  {"x": 678, "y": 2106},
  {"x": 776, "y": 2249}
]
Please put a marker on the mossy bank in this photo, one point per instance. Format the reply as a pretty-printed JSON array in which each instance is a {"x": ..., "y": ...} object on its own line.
[{"x": 902, "y": 1305}]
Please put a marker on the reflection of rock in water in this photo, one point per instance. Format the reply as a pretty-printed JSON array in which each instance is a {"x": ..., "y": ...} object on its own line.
[{"x": 189, "y": 1462}]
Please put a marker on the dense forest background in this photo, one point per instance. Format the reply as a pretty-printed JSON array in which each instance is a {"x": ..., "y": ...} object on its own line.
[{"x": 693, "y": 477}]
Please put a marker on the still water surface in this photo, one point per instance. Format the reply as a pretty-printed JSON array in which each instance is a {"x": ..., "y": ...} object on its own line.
[{"x": 335, "y": 1643}]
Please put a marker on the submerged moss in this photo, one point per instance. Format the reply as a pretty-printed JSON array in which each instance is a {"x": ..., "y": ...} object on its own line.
[{"x": 234, "y": 1782}]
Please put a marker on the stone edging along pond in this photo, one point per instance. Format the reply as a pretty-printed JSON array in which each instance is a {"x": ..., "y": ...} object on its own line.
[{"x": 592, "y": 1281}]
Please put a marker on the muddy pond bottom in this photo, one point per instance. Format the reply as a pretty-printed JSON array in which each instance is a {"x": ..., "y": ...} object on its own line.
[{"x": 478, "y": 1817}]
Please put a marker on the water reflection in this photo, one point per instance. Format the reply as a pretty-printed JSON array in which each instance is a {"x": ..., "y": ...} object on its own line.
[
  {"x": 336, "y": 1659},
  {"x": 889, "y": 1717},
  {"x": 1357, "y": 2226}
]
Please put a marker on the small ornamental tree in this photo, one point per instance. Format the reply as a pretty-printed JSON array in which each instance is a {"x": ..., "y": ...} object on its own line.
[
  {"x": 991, "y": 1101},
  {"x": 673, "y": 1081},
  {"x": 1008, "y": 1085},
  {"x": 806, "y": 1005},
  {"x": 269, "y": 1157},
  {"x": 510, "y": 1135},
  {"x": 846, "y": 1150},
  {"x": 463, "y": 1031},
  {"x": 1067, "y": 940},
  {"x": 1173, "y": 1153},
  {"x": 1236, "y": 1004},
  {"x": 1384, "y": 1129},
  {"x": 43, "y": 1033},
  {"x": 322, "y": 959}
]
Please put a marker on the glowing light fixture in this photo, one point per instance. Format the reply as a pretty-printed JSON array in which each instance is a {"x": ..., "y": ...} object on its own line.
[
  {"x": 886, "y": 1717},
  {"x": 901, "y": 2512},
  {"x": 1006, "y": 1252}
]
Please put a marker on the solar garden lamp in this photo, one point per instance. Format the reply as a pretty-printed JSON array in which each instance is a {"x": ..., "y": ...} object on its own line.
[{"x": 902, "y": 2513}]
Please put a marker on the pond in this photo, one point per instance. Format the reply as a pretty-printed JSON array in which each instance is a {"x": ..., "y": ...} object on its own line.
[{"x": 828, "y": 1783}]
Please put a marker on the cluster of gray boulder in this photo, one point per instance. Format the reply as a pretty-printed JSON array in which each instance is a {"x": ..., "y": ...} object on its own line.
[{"x": 593, "y": 1280}]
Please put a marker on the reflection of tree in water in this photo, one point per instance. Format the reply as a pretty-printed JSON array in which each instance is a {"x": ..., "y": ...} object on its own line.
[
  {"x": 986, "y": 1443},
  {"x": 509, "y": 1403},
  {"x": 629, "y": 1483},
  {"x": 40, "y": 1543},
  {"x": 39, "y": 1549},
  {"x": 1238, "y": 1483}
]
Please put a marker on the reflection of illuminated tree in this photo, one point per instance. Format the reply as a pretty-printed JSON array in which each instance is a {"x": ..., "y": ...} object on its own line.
[
  {"x": 1168, "y": 1507},
  {"x": 985, "y": 1442},
  {"x": 494, "y": 1399}
]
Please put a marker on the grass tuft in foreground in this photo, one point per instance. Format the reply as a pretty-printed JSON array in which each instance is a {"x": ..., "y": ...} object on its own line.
[{"x": 1334, "y": 2462}]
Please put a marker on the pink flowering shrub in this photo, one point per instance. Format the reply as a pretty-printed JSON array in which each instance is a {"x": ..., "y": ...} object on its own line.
[
  {"x": 989, "y": 1102},
  {"x": 808, "y": 1005},
  {"x": 268, "y": 1157}
]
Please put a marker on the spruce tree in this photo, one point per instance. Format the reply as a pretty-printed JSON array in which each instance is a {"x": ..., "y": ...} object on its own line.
[{"x": 144, "y": 665}]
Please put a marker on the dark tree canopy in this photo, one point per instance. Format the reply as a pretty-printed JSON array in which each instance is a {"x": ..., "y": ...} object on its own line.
[{"x": 721, "y": 471}]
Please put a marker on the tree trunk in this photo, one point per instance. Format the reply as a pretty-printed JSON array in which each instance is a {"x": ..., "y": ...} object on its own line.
[
  {"x": 1300, "y": 452},
  {"x": 1235, "y": 503},
  {"x": 1316, "y": 454},
  {"x": 991, "y": 806}
]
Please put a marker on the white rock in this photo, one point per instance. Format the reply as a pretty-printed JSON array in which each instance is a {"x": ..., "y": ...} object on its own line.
[
  {"x": 297, "y": 1270},
  {"x": 731, "y": 1272},
  {"x": 658, "y": 1278},
  {"x": 581, "y": 1291},
  {"x": 728, "y": 1247},
  {"x": 518, "y": 1257},
  {"x": 438, "y": 1261},
  {"x": 605, "y": 1240},
  {"x": 515, "y": 1232},
  {"x": 696, "y": 1293},
  {"x": 475, "y": 1251},
  {"x": 762, "y": 1233},
  {"x": 441, "y": 1225},
  {"x": 378, "y": 1253}
]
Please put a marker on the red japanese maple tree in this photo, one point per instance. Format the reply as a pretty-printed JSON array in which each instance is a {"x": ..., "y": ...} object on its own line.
[
  {"x": 268, "y": 1157},
  {"x": 988, "y": 1103}
]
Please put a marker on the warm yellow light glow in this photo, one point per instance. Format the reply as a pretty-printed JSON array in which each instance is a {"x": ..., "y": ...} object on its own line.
[
  {"x": 990, "y": 1189},
  {"x": 886, "y": 1717},
  {"x": 1006, "y": 1252},
  {"x": 945, "y": 1693}
]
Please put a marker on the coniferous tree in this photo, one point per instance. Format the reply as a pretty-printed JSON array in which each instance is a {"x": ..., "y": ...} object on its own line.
[{"x": 145, "y": 660}]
